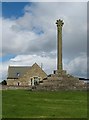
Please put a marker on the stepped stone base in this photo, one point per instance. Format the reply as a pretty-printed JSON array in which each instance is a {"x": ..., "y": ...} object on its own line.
[
  {"x": 62, "y": 79},
  {"x": 60, "y": 75}
]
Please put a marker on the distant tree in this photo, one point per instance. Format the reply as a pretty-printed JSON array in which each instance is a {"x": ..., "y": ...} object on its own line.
[{"x": 4, "y": 82}]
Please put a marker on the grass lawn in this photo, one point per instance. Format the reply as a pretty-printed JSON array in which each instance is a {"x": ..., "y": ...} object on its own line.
[
  {"x": 0, "y": 104},
  {"x": 27, "y": 104}
]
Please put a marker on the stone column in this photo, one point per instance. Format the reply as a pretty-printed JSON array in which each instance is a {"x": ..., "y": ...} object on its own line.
[{"x": 59, "y": 44}]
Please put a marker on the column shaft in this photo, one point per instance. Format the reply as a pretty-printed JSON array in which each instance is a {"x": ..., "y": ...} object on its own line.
[
  {"x": 59, "y": 48},
  {"x": 59, "y": 44}
]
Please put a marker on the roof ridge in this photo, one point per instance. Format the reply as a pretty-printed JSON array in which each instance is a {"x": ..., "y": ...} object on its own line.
[{"x": 20, "y": 66}]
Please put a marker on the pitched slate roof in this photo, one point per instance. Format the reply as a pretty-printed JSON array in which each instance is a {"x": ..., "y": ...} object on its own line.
[{"x": 17, "y": 71}]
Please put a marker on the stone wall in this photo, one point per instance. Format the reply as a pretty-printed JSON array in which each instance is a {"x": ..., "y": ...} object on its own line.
[{"x": 12, "y": 82}]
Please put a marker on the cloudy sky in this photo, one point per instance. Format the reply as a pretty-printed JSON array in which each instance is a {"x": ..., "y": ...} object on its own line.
[{"x": 29, "y": 35}]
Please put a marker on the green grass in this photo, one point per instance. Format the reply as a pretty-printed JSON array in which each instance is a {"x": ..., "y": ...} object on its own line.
[
  {"x": 27, "y": 104},
  {"x": 0, "y": 104}
]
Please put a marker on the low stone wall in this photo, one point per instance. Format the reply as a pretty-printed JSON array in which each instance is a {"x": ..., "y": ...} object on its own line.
[
  {"x": 5, "y": 87},
  {"x": 59, "y": 87},
  {"x": 48, "y": 87},
  {"x": 55, "y": 85},
  {"x": 66, "y": 83}
]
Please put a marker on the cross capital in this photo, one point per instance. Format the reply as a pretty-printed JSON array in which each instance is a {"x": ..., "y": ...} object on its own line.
[{"x": 59, "y": 23}]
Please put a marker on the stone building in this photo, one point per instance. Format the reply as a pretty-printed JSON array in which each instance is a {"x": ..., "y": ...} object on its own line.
[{"x": 25, "y": 76}]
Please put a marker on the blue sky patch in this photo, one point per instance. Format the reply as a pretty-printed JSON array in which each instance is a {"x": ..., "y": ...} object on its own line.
[
  {"x": 38, "y": 30},
  {"x": 7, "y": 57},
  {"x": 13, "y": 9}
]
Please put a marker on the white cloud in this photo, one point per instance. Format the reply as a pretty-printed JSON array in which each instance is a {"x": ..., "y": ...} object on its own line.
[
  {"x": 15, "y": 40},
  {"x": 22, "y": 33},
  {"x": 78, "y": 66}
]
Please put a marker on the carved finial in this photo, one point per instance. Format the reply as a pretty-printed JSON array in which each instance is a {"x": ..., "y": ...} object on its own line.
[{"x": 59, "y": 22}]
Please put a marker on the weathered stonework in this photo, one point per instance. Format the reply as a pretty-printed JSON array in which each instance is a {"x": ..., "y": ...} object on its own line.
[
  {"x": 35, "y": 71},
  {"x": 59, "y": 44},
  {"x": 33, "y": 74}
]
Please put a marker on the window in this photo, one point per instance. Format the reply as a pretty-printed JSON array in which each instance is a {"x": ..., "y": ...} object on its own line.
[{"x": 18, "y": 74}]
